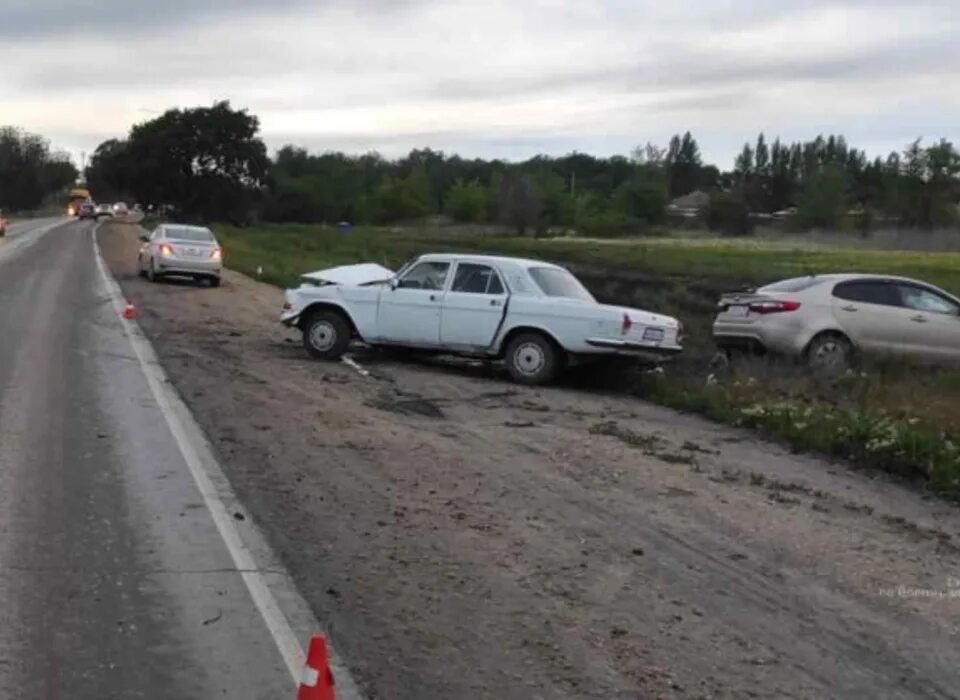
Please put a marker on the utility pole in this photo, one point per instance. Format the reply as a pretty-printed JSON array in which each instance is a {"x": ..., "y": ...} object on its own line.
[{"x": 573, "y": 184}]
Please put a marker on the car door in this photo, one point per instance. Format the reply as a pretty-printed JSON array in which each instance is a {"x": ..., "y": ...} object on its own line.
[
  {"x": 871, "y": 314},
  {"x": 409, "y": 310},
  {"x": 473, "y": 307},
  {"x": 935, "y": 323}
]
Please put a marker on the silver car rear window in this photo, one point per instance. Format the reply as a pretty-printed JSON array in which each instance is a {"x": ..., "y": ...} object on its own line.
[
  {"x": 797, "y": 284},
  {"x": 195, "y": 235}
]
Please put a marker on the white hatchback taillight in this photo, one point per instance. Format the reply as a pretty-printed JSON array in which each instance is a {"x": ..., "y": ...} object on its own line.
[{"x": 773, "y": 306}]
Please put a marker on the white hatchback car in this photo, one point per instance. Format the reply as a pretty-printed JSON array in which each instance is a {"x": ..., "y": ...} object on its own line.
[
  {"x": 178, "y": 250},
  {"x": 826, "y": 318},
  {"x": 531, "y": 314}
]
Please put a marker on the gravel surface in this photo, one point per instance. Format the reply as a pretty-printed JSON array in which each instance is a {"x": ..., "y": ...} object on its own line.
[{"x": 464, "y": 537}]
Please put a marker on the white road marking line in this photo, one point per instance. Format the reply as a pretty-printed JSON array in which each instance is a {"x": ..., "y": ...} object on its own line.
[
  {"x": 353, "y": 364},
  {"x": 176, "y": 413}
]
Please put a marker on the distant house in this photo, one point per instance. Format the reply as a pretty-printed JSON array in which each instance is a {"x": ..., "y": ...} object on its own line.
[{"x": 690, "y": 205}]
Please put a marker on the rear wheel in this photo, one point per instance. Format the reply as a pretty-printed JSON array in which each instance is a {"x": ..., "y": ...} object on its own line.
[
  {"x": 214, "y": 281},
  {"x": 829, "y": 352},
  {"x": 532, "y": 359},
  {"x": 326, "y": 335}
]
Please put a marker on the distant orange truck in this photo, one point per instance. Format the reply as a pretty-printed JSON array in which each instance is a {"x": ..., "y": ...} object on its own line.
[{"x": 78, "y": 196}]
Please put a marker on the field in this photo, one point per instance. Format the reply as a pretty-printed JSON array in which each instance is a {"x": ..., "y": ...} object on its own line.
[{"x": 892, "y": 417}]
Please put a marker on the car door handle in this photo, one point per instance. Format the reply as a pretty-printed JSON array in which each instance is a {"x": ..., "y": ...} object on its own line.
[
  {"x": 849, "y": 307},
  {"x": 918, "y": 318},
  {"x": 433, "y": 297},
  {"x": 495, "y": 302}
]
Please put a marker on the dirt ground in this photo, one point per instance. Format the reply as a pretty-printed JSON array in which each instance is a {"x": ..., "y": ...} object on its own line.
[{"x": 463, "y": 537}]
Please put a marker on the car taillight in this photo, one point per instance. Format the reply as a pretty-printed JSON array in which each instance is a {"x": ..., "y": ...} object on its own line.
[
  {"x": 773, "y": 306},
  {"x": 679, "y": 333},
  {"x": 626, "y": 325},
  {"x": 217, "y": 253},
  {"x": 166, "y": 250}
]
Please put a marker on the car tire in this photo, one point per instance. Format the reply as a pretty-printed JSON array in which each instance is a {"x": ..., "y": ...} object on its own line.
[
  {"x": 214, "y": 281},
  {"x": 532, "y": 359},
  {"x": 326, "y": 335},
  {"x": 829, "y": 353}
]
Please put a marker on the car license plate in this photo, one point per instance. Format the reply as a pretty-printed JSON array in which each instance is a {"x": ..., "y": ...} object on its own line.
[
  {"x": 654, "y": 335},
  {"x": 191, "y": 252},
  {"x": 738, "y": 310}
]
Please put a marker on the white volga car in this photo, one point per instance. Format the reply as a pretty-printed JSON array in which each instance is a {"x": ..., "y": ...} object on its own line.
[{"x": 532, "y": 315}]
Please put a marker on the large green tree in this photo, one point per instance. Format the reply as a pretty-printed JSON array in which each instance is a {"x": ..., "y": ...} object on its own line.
[
  {"x": 207, "y": 162},
  {"x": 29, "y": 170}
]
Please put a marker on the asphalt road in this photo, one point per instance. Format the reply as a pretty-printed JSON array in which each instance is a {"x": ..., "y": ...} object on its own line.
[{"x": 114, "y": 581}]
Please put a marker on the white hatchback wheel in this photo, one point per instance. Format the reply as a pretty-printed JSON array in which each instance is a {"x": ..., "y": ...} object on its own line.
[{"x": 829, "y": 353}]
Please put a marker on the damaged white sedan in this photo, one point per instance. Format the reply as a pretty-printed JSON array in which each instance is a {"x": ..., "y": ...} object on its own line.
[{"x": 534, "y": 316}]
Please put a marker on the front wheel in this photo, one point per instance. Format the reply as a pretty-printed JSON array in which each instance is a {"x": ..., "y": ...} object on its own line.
[
  {"x": 326, "y": 335},
  {"x": 532, "y": 359}
]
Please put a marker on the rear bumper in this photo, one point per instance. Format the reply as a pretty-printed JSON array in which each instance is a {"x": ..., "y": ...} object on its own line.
[
  {"x": 635, "y": 347},
  {"x": 783, "y": 341},
  {"x": 188, "y": 267}
]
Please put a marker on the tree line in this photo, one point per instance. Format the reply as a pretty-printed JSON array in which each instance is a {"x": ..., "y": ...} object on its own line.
[
  {"x": 30, "y": 171},
  {"x": 210, "y": 163}
]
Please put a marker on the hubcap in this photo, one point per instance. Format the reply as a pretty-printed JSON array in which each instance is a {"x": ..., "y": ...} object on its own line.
[
  {"x": 529, "y": 359},
  {"x": 828, "y": 354},
  {"x": 323, "y": 336}
]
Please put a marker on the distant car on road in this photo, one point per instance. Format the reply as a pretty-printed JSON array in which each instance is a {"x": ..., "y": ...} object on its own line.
[
  {"x": 826, "y": 319},
  {"x": 533, "y": 315},
  {"x": 179, "y": 250},
  {"x": 104, "y": 210},
  {"x": 120, "y": 209},
  {"x": 87, "y": 210}
]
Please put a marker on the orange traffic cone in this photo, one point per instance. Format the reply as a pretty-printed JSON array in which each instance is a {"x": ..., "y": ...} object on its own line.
[
  {"x": 317, "y": 681},
  {"x": 129, "y": 311}
]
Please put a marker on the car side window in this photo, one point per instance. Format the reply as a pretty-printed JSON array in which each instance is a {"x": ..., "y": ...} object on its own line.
[
  {"x": 426, "y": 275},
  {"x": 868, "y": 292},
  {"x": 476, "y": 279},
  {"x": 921, "y": 299}
]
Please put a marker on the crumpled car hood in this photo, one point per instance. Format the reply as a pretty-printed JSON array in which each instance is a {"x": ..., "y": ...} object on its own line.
[{"x": 349, "y": 275}]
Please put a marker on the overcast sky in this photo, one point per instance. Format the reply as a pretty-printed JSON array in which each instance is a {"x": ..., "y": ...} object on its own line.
[{"x": 492, "y": 78}]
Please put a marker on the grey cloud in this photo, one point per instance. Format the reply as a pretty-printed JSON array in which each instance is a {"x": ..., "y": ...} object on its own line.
[{"x": 28, "y": 19}]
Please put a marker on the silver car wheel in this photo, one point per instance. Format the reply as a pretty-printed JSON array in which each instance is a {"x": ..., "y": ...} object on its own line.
[
  {"x": 829, "y": 354},
  {"x": 529, "y": 359},
  {"x": 323, "y": 336}
]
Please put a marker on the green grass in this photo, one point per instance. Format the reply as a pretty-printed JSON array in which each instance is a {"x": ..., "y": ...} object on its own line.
[{"x": 286, "y": 251}]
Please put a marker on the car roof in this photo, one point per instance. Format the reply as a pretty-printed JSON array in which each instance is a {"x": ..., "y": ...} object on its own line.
[
  {"x": 854, "y": 276},
  {"x": 489, "y": 259}
]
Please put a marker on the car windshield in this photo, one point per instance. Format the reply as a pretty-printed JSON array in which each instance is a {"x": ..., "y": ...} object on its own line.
[
  {"x": 194, "y": 235},
  {"x": 557, "y": 282}
]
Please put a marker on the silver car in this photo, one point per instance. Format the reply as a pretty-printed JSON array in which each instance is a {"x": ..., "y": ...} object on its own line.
[
  {"x": 825, "y": 319},
  {"x": 178, "y": 250}
]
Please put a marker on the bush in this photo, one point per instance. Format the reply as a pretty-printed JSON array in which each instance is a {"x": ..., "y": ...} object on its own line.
[{"x": 728, "y": 214}]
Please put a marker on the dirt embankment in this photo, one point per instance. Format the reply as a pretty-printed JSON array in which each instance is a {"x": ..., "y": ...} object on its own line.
[{"x": 462, "y": 537}]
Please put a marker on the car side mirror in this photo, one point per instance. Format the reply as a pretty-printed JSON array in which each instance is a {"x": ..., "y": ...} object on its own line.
[
  {"x": 145, "y": 238},
  {"x": 394, "y": 282}
]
